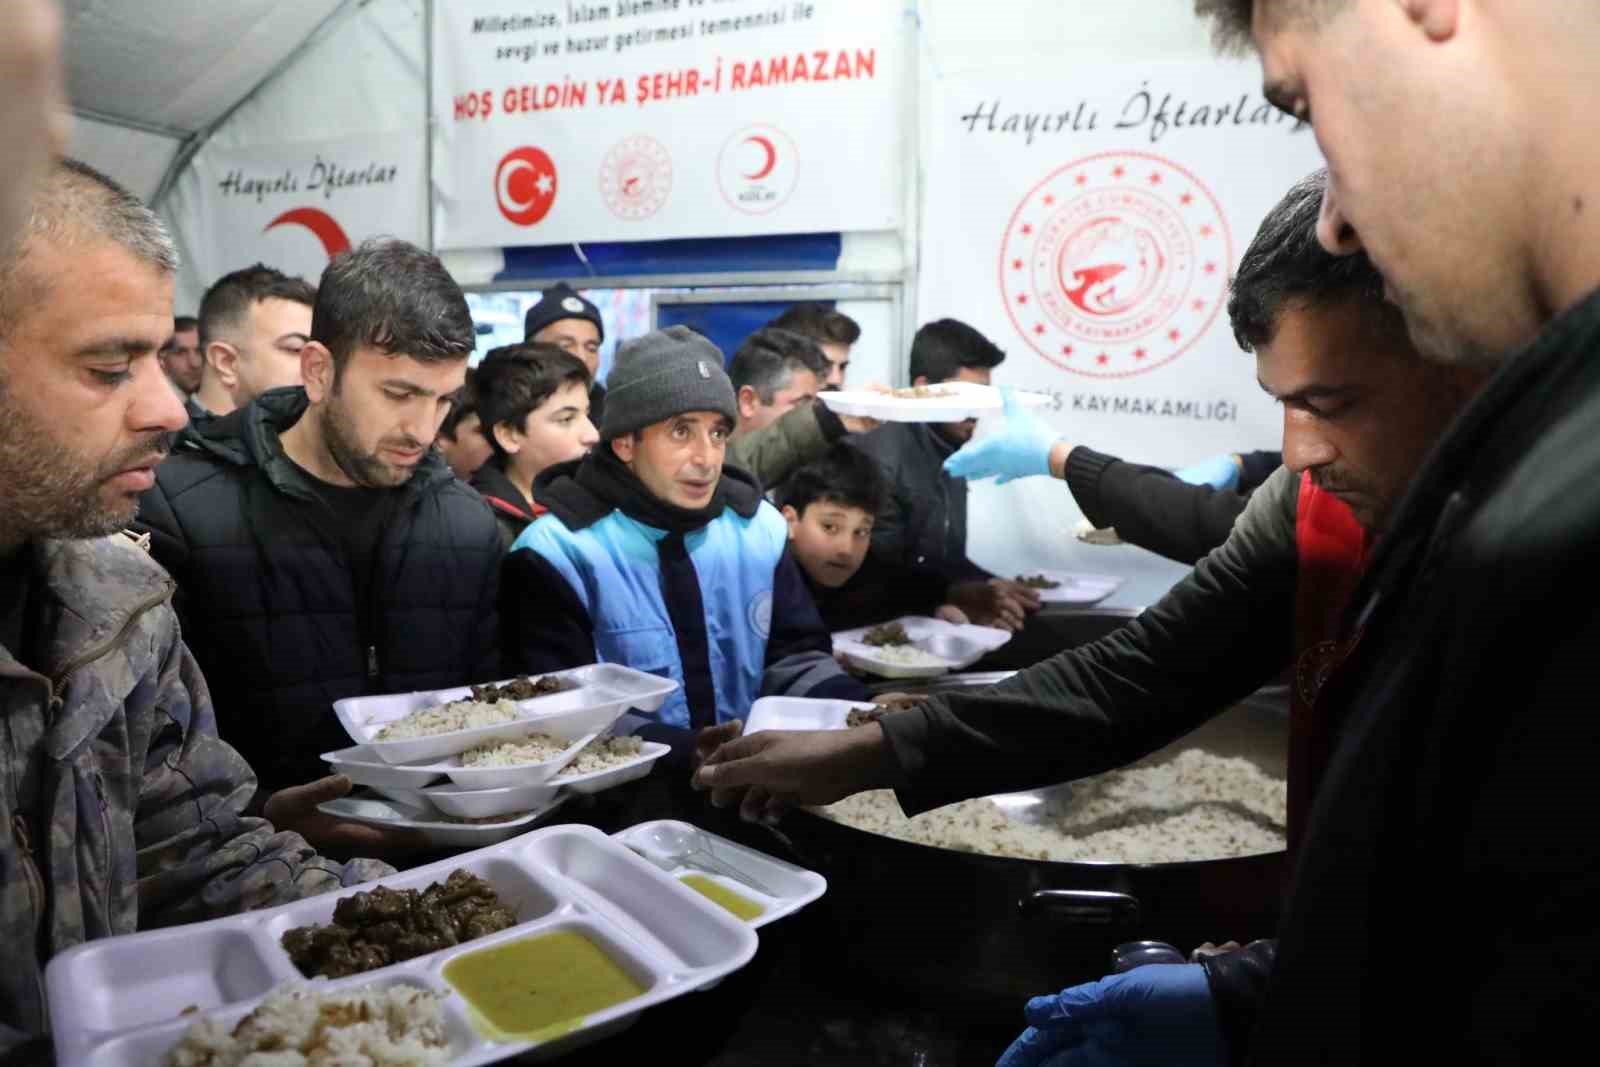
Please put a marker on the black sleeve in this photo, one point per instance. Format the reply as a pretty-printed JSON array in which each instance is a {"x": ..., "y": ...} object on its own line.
[
  {"x": 1218, "y": 635},
  {"x": 1255, "y": 468},
  {"x": 1238, "y": 980},
  {"x": 543, "y": 625},
  {"x": 168, "y": 545},
  {"x": 1151, "y": 507},
  {"x": 489, "y": 661}
]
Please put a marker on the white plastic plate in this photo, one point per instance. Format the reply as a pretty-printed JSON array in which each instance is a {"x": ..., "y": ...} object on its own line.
[
  {"x": 606, "y": 778},
  {"x": 961, "y": 400},
  {"x": 117, "y": 1002},
  {"x": 799, "y": 713},
  {"x": 362, "y": 766},
  {"x": 792, "y": 887},
  {"x": 1075, "y": 588},
  {"x": 438, "y": 830},
  {"x": 464, "y": 803},
  {"x": 604, "y": 691},
  {"x": 511, "y": 775},
  {"x": 950, "y": 646}
]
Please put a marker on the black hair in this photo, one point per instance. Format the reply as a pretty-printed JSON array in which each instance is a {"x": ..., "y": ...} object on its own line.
[
  {"x": 770, "y": 356},
  {"x": 1232, "y": 21},
  {"x": 513, "y": 380},
  {"x": 227, "y": 303},
  {"x": 821, "y": 323},
  {"x": 466, "y": 404},
  {"x": 1285, "y": 264},
  {"x": 181, "y": 323},
  {"x": 940, "y": 349},
  {"x": 395, "y": 297},
  {"x": 842, "y": 475}
]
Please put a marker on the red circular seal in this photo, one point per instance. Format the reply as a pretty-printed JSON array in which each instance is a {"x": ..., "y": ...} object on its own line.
[
  {"x": 525, "y": 185},
  {"x": 1115, "y": 264},
  {"x": 636, "y": 177},
  {"x": 758, "y": 169}
]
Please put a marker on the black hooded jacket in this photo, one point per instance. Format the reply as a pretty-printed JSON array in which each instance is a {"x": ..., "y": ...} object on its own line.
[{"x": 277, "y": 613}]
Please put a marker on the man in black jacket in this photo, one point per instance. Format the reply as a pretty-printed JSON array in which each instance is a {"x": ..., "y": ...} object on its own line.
[{"x": 322, "y": 548}]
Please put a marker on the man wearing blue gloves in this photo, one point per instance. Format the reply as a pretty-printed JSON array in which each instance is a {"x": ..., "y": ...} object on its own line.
[{"x": 1159, "y": 1014}]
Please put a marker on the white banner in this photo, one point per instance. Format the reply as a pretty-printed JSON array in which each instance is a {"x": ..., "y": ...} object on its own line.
[
  {"x": 295, "y": 206},
  {"x": 1089, "y": 225},
  {"x": 650, "y": 119}
]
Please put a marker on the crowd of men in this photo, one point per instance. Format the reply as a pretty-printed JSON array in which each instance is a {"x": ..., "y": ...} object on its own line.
[{"x": 326, "y": 507}]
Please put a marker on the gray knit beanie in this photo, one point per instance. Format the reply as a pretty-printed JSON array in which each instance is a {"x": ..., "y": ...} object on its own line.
[{"x": 663, "y": 374}]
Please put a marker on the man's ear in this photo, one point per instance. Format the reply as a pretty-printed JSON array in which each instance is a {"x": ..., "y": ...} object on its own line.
[
  {"x": 792, "y": 517},
  {"x": 317, "y": 371},
  {"x": 510, "y": 440},
  {"x": 622, "y": 447},
  {"x": 1439, "y": 19},
  {"x": 223, "y": 359},
  {"x": 749, "y": 402}
]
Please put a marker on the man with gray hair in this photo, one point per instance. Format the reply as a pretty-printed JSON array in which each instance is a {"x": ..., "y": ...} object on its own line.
[
  {"x": 774, "y": 372},
  {"x": 121, "y": 808}
]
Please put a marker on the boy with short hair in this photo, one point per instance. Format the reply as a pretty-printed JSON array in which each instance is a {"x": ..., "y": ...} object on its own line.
[
  {"x": 533, "y": 400},
  {"x": 831, "y": 505}
]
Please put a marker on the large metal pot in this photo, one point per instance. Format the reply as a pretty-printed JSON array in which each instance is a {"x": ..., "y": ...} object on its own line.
[{"x": 960, "y": 924}]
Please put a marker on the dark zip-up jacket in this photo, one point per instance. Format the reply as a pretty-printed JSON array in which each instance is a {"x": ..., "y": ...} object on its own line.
[
  {"x": 923, "y": 522},
  {"x": 273, "y": 609},
  {"x": 513, "y": 512}
]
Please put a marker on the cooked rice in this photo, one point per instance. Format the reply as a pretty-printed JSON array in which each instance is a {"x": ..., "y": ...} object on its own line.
[
  {"x": 1192, "y": 806},
  {"x": 907, "y": 655},
  {"x": 535, "y": 748},
  {"x": 448, "y": 718},
  {"x": 400, "y": 1026},
  {"x": 601, "y": 753}
]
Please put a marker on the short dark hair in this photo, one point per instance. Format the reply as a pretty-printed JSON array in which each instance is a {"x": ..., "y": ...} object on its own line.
[
  {"x": 842, "y": 475},
  {"x": 227, "y": 303},
  {"x": 395, "y": 297},
  {"x": 1286, "y": 265},
  {"x": 513, "y": 380},
  {"x": 466, "y": 403},
  {"x": 821, "y": 323},
  {"x": 769, "y": 358},
  {"x": 1231, "y": 20},
  {"x": 183, "y": 323},
  {"x": 940, "y": 349}
]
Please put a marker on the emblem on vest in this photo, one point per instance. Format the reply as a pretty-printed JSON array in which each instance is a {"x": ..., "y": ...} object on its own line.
[{"x": 760, "y": 613}]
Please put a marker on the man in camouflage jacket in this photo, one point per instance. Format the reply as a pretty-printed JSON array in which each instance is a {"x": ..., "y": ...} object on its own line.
[{"x": 120, "y": 809}]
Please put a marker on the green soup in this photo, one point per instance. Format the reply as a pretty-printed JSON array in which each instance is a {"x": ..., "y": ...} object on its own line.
[
  {"x": 544, "y": 983},
  {"x": 742, "y": 907}
]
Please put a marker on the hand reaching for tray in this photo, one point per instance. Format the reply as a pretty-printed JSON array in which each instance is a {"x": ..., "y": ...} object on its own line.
[
  {"x": 295, "y": 808},
  {"x": 769, "y": 772}
]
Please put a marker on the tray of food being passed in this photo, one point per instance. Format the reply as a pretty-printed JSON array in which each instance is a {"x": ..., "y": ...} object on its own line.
[
  {"x": 945, "y": 402},
  {"x": 1069, "y": 587},
  {"x": 547, "y": 941},
  {"x": 916, "y": 647}
]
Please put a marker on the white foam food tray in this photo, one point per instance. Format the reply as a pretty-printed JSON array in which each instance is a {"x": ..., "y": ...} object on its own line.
[
  {"x": 800, "y": 713},
  {"x": 603, "y": 692},
  {"x": 363, "y": 767},
  {"x": 608, "y": 777},
  {"x": 464, "y": 803},
  {"x": 117, "y": 1002},
  {"x": 511, "y": 774},
  {"x": 949, "y": 646},
  {"x": 1075, "y": 587},
  {"x": 956, "y": 401},
  {"x": 792, "y": 888},
  {"x": 438, "y": 828}
]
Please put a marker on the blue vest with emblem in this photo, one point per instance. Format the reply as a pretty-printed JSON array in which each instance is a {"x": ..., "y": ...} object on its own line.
[{"x": 614, "y": 568}]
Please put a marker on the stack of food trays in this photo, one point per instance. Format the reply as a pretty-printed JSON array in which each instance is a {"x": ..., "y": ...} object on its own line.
[
  {"x": 473, "y": 765},
  {"x": 917, "y": 647},
  {"x": 552, "y": 907}
]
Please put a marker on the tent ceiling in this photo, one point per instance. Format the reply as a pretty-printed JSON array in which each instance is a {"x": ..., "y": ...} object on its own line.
[{"x": 179, "y": 65}]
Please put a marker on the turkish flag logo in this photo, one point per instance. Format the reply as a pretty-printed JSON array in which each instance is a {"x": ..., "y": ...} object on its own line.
[{"x": 525, "y": 185}]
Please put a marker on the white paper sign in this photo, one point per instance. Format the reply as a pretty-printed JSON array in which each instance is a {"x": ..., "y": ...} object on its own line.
[
  {"x": 649, "y": 119},
  {"x": 295, "y": 206},
  {"x": 1090, "y": 224}
]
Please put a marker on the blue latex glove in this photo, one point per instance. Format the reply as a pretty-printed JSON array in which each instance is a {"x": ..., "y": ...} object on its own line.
[
  {"x": 1159, "y": 1014},
  {"x": 1219, "y": 472},
  {"x": 1020, "y": 450}
]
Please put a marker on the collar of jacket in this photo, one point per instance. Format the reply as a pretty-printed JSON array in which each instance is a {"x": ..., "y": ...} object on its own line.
[
  {"x": 583, "y": 491},
  {"x": 496, "y": 487},
  {"x": 251, "y": 437},
  {"x": 94, "y": 592}
]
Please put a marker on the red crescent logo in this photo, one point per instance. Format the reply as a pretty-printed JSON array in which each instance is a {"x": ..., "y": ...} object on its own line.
[
  {"x": 525, "y": 185},
  {"x": 319, "y": 223},
  {"x": 772, "y": 157}
]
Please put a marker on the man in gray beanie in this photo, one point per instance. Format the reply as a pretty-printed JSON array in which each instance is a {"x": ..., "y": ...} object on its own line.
[{"x": 657, "y": 556}]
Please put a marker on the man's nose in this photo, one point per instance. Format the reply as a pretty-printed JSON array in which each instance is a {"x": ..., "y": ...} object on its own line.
[
  {"x": 156, "y": 406},
  {"x": 1334, "y": 231},
  {"x": 588, "y": 436},
  {"x": 1304, "y": 447}
]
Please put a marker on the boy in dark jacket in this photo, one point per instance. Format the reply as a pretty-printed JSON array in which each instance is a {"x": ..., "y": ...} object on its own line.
[
  {"x": 830, "y": 506},
  {"x": 534, "y": 403}
]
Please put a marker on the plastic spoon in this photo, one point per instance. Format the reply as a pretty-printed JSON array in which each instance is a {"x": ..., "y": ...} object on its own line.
[{"x": 683, "y": 844}]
